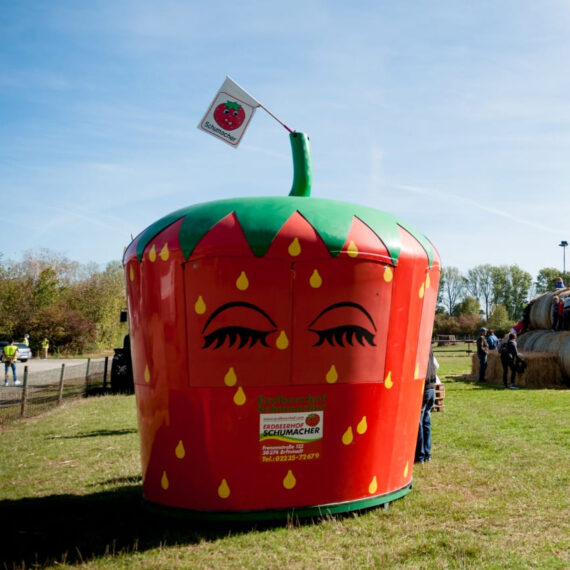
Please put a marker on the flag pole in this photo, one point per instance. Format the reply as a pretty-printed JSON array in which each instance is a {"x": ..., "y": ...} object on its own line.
[{"x": 280, "y": 122}]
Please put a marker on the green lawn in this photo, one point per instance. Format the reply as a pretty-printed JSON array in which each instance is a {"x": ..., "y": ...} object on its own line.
[{"x": 495, "y": 495}]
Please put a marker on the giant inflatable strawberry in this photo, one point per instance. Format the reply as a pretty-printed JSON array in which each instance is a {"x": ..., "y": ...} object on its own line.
[{"x": 279, "y": 348}]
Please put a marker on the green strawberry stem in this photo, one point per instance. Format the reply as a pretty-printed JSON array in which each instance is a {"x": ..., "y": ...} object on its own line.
[{"x": 302, "y": 168}]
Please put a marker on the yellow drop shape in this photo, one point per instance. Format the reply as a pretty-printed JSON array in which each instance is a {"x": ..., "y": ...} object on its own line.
[
  {"x": 152, "y": 253},
  {"x": 164, "y": 252},
  {"x": 294, "y": 248},
  {"x": 373, "y": 487},
  {"x": 230, "y": 378},
  {"x": 131, "y": 273},
  {"x": 146, "y": 374},
  {"x": 180, "y": 452},
  {"x": 406, "y": 468},
  {"x": 289, "y": 481},
  {"x": 388, "y": 381},
  {"x": 239, "y": 397},
  {"x": 200, "y": 306},
  {"x": 332, "y": 375},
  {"x": 422, "y": 291},
  {"x": 388, "y": 274},
  {"x": 282, "y": 341},
  {"x": 362, "y": 426},
  {"x": 242, "y": 282},
  {"x": 347, "y": 436},
  {"x": 164, "y": 481},
  {"x": 417, "y": 371},
  {"x": 224, "y": 490},
  {"x": 428, "y": 282},
  {"x": 316, "y": 280},
  {"x": 352, "y": 250}
]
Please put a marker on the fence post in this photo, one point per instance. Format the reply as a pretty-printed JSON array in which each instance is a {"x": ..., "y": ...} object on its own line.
[
  {"x": 60, "y": 391},
  {"x": 24, "y": 393},
  {"x": 105, "y": 373},
  {"x": 87, "y": 377}
]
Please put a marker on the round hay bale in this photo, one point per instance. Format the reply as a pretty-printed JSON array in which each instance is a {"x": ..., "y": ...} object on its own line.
[
  {"x": 541, "y": 310},
  {"x": 540, "y": 317},
  {"x": 527, "y": 340}
]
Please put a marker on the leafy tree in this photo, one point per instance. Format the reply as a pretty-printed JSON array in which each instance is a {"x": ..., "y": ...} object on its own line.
[
  {"x": 469, "y": 306},
  {"x": 546, "y": 279},
  {"x": 499, "y": 320}
]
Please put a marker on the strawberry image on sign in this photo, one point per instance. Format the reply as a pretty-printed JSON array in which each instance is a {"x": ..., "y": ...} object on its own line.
[{"x": 229, "y": 115}]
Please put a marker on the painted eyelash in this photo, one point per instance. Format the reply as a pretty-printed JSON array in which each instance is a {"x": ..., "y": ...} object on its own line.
[
  {"x": 336, "y": 335},
  {"x": 231, "y": 334}
]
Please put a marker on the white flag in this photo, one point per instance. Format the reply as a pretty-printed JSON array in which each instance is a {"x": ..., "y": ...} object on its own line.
[{"x": 230, "y": 113}]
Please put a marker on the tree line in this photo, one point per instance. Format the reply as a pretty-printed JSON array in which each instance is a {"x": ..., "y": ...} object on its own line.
[
  {"x": 489, "y": 295},
  {"x": 77, "y": 307}
]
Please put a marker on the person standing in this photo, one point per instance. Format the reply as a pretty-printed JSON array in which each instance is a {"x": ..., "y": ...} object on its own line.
[
  {"x": 482, "y": 351},
  {"x": 10, "y": 358},
  {"x": 509, "y": 354},
  {"x": 45, "y": 348},
  {"x": 559, "y": 283},
  {"x": 492, "y": 339},
  {"x": 555, "y": 303},
  {"x": 26, "y": 340},
  {"x": 423, "y": 444}
]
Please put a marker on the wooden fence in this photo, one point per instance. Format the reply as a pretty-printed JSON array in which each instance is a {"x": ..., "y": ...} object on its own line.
[{"x": 43, "y": 390}]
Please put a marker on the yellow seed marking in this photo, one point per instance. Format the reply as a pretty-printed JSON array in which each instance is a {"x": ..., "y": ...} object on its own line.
[
  {"x": 242, "y": 282},
  {"x": 146, "y": 374},
  {"x": 239, "y": 397},
  {"x": 289, "y": 481},
  {"x": 347, "y": 436},
  {"x": 362, "y": 426},
  {"x": 352, "y": 250},
  {"x": 388, "y": 382},
  {"x": 406, "y": 468},
  {"x": 224, "y": 490},
  {"x": 282, "y": 341},
  {"x": 230, "y": 378},
  {"x": 200, "y": 306},
  {"x": 373, "y": 487},
  {"x": 316, "y": 280},
  {"x": 332, "y": 375},
  {"x": 422, "y": 291},
  {"x": 164, "y": 252},
  {"x": 164, "y": 481},
  {"x": 417, "y": 371},
  {"x": 388, "y": 274},
  {"x": 152, "y": 253},
  {"x": 428, "y": 282},
  {"x": 180, "y": 452},
  {"x": 294, "y": 248},
  {"x": 131, "y": 273}
]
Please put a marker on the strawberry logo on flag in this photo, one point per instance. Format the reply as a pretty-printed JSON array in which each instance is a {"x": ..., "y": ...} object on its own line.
[{"x": 230, "y": 113}]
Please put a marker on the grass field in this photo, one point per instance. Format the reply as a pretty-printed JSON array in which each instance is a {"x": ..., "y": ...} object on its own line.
[{"x": 495, "y": 495}]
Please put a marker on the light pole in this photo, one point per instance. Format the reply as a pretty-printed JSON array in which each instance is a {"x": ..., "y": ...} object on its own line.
[{"x": 563, "y": 244}]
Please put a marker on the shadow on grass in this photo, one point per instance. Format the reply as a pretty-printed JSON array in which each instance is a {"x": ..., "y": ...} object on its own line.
[
  {"x": 96, "y": 433},
  {"x": 73, "y": 529}
]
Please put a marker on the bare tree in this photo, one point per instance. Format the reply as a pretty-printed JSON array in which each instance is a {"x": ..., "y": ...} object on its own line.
[{"x": 452, "y": 288}]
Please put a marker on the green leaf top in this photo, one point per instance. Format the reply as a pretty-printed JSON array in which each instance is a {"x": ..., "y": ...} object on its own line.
[
  {"x": 262, "y": 218},
  {"x": 233, "y": 105}
]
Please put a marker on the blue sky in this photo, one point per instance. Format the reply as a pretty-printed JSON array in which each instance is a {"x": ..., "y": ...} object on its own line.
[{"x": 454, "y": 116}]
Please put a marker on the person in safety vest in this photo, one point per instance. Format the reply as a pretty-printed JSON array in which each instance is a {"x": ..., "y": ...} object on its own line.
[
  {"x": 26, "y": 340},
  {"x": 10, "y": 358},
  {"x": 45, "y": 347}
]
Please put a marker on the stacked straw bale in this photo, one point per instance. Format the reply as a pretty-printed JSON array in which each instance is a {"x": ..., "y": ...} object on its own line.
[
  {"x": 547, "y": 353},
  {"x": 543, "y": 370}
]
